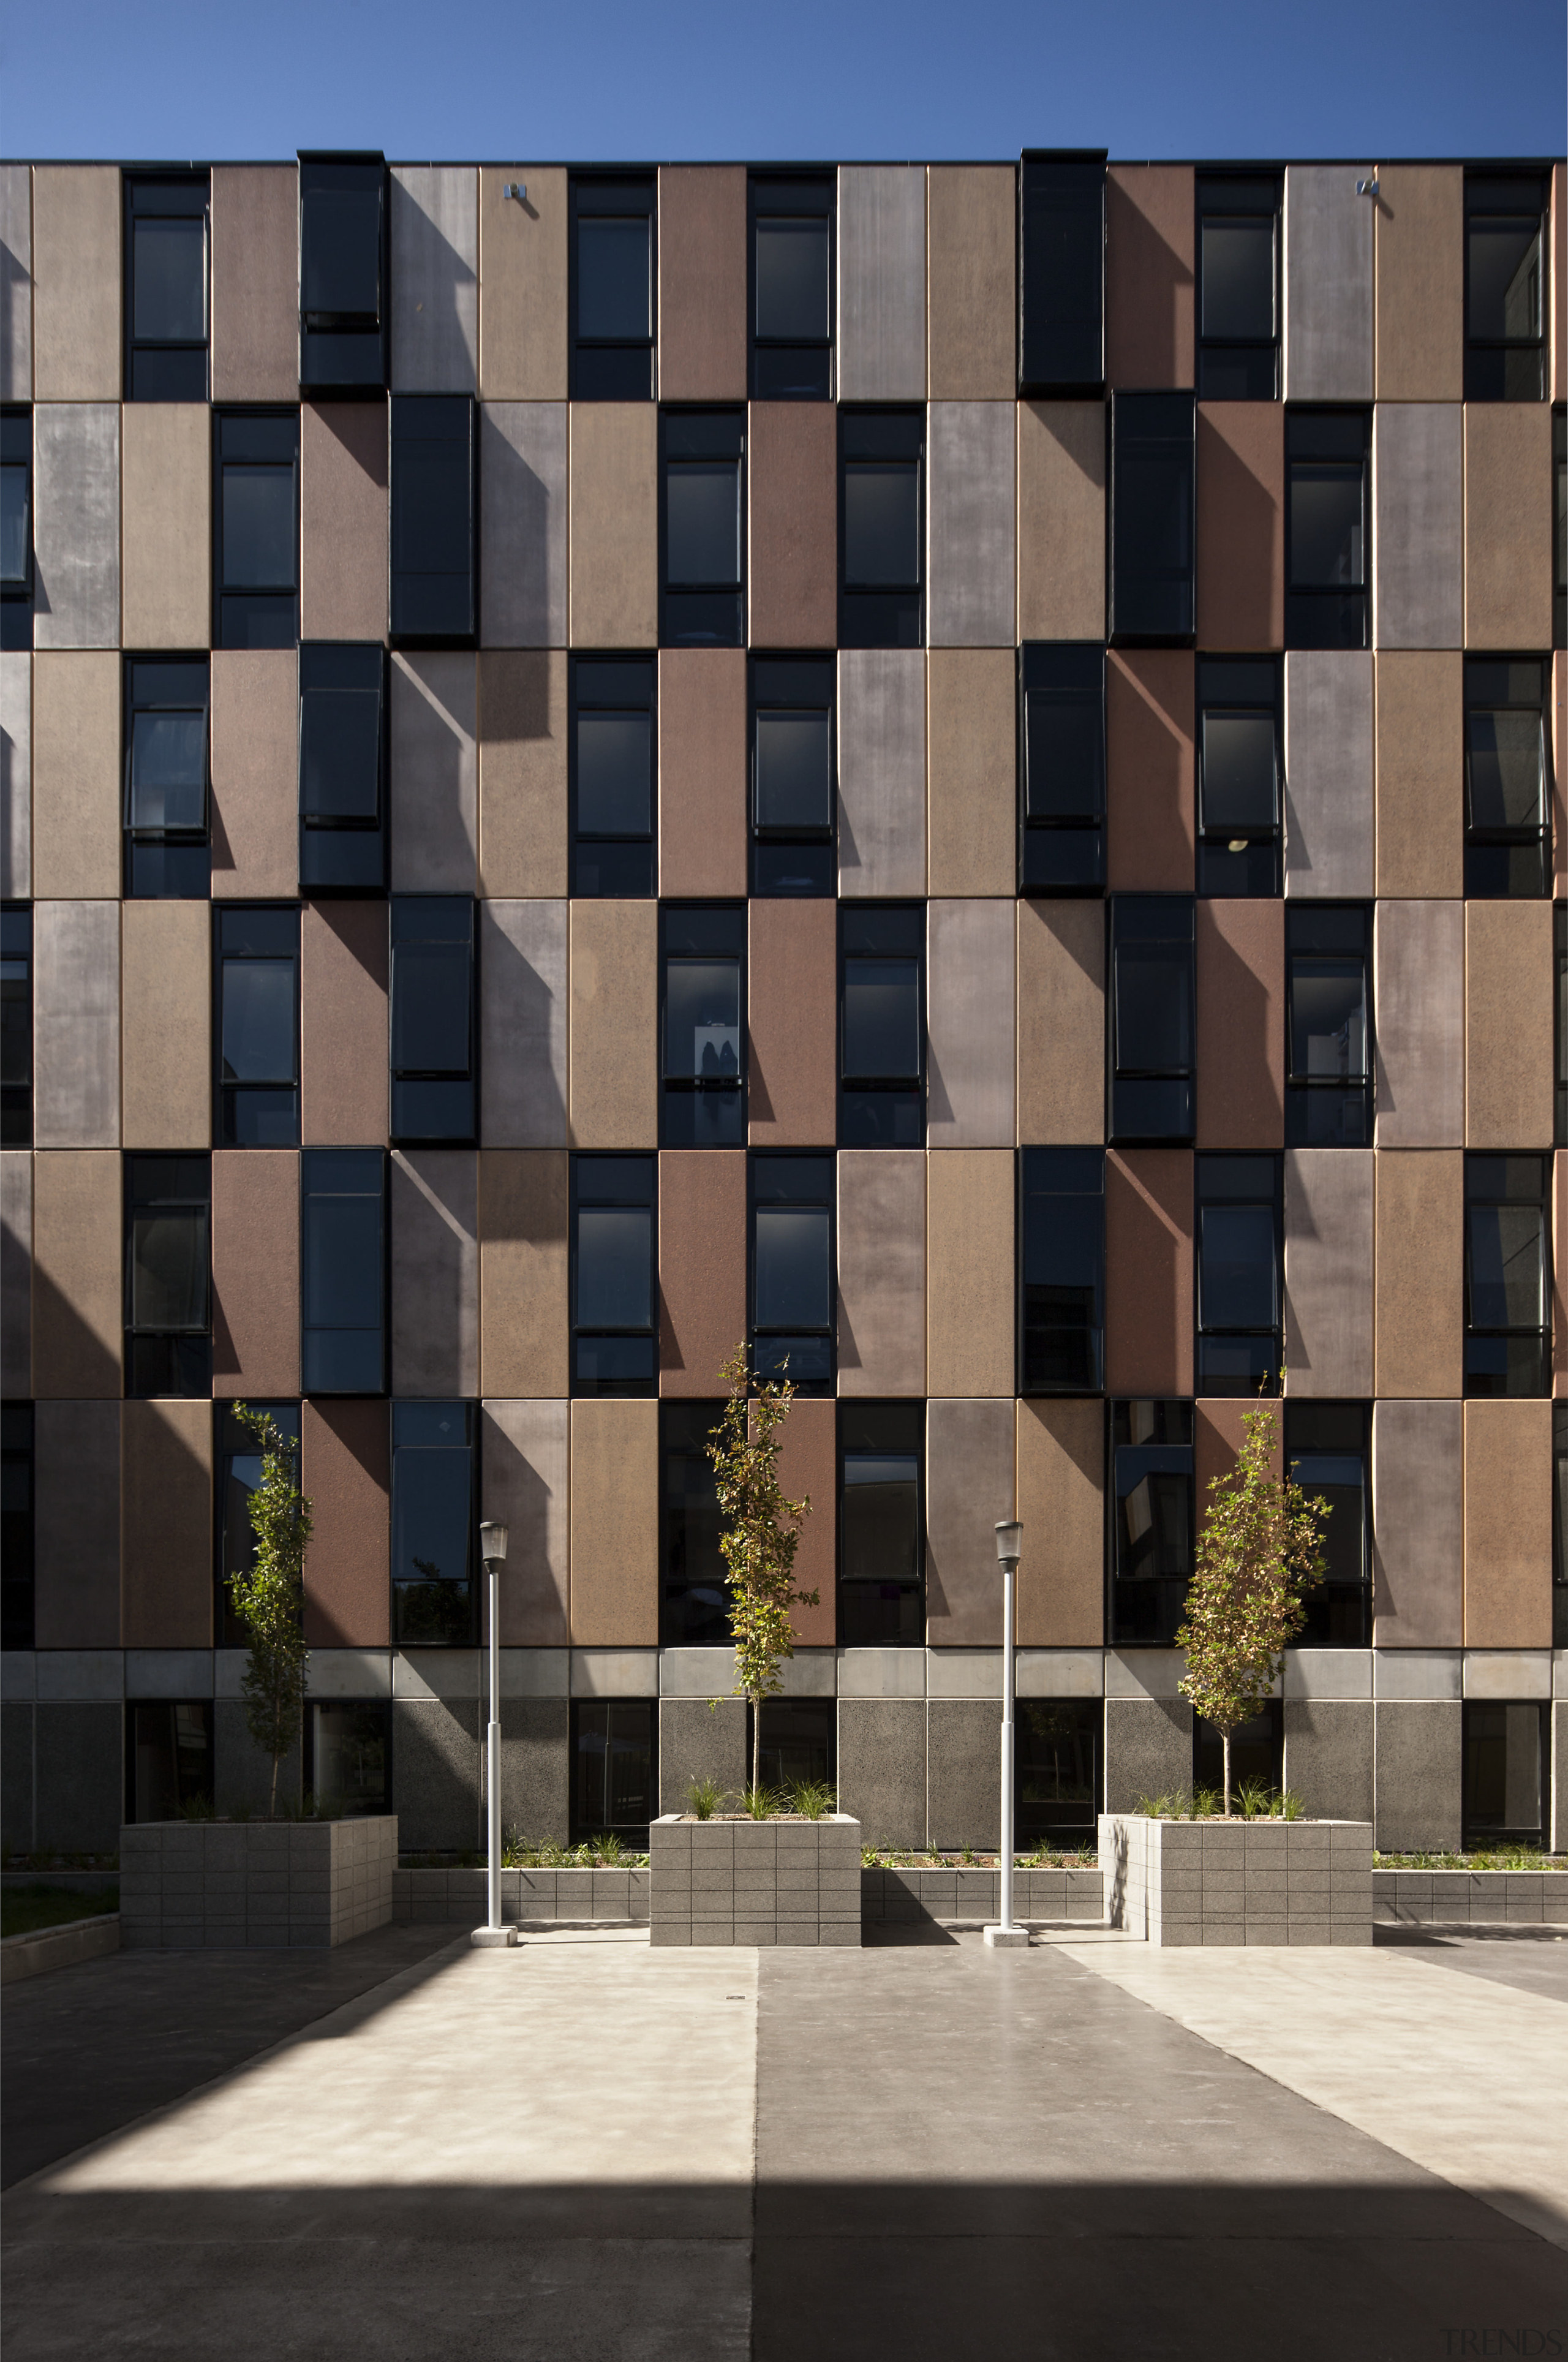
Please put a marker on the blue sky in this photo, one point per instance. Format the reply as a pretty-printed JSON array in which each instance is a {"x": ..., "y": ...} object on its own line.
[{"x": 521, "y": 80}]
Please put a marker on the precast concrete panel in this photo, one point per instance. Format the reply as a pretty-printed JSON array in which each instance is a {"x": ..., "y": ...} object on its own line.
[
  {"x": 1218, "y": 1434},
  {"x": 1558, "y": 730},
  {"x": 1151, "y": 793},
  {"x": 1328, "y": 283},
  {"x": 345, "y": 1459},
  {"x": 256, "y": 1273},
  {"x": 1509, "y": 1055},
  {"x": 1418, "y": 1524},
  {"x": 792, "y": 1023},
  {"x": 881, "y": 772},
  {"x": 76, "y": 525},
  {"x": 1328, "y": 1229},
  {"x": 1061, "y": 520},
  {"x": 76, "y": 282},
  {"x": 1061, "y": 1023},
  {"x": 434, "y": 772},
  {"x": 808, "y": 1470},
  {"x": 345, "y": 505},
  {"x": 522, "y": 524},
  {"x": 522, "y": 283},
  {"x": 612, "y": 499},
  {"x": 882, "y": 1271},
  {"x": 1418, "y": 1004},
  {"x": 1421, "y": 773},
  {"x": 971, "y": 731},
  {"x": 1560, "y": 1273},
  {"x": 16, "y": 1272},
  {"x": 15, "y": 283},
  {"x": 970, "y": 511},
  {"x": 971, "y": 217},
  {"x": 1330, "y": 807},
  {"x": 1559, "y": 282},
  {"x": 77, "y": 1311},
  {"x": 968, "y": 1485},
  {"x": 1061, "y": 1503},
  {"x": 522, "y": 1024},
  {"x": 76, "y": 1024},
  {"x": 1241, "y": 1023},
  {"x": 434, "y": 278},
  {"x": 76, "y": 775},
  {"x": 1508, "y": 1525},
  {"x": 1507, "y": 525},
  {"x": 971, "y": 1002},
  {"x": 1149, "y": 242},
  {"x": 702, "y": 271},
  {"x": 612, "y": 1027},
  {"x": 522, "y": 773},
  {"x": 255, "y": 282},
  {"x": 969, "y": 1271},
  {"x": 15, "y": 774},
  {"x": 165, "y": 1024},
  {"x": 1418, "y": 1753},
  {"x": 792, "y": 523},
  {"x": 703, "y": 764},
  {"x": 344, "y": 972},
  {"x": 165, "y": 1525},
  {"x": 1418, "y": 1273},
  {"x": 614, "y": 1525},
  {"x": 1419, "y": 244},
  {"x": 524, "y": 1227},
  {"x": 1418, "y": 499},
  {"x": 76, "y": 1531},
  {"x": 1148, "y": 1271},
  {"x": 525, "y": 1454},
  {"x": 435, "y": 1271},
  {"x": 165, "y": 523},
  {"x": 701, "y": 1267},
  {"x": 881, "y": 282},
  {"x": 1240, "y": 524},
  {"x": 255, "y": 773}
]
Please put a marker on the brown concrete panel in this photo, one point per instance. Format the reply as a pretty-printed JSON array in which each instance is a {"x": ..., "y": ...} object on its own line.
[
  {"x": 525, "y": 1452},
  {"x": 1418, "y": 1538},
  {"x": 701, "y": 1267},
  {"x": 1508, "y": 1525},
  {"x": 522, "y": 773},
  {"x": 165, "y": 524},
  {"x": 1240, "y": 524},
  {"x": 882, "y": 1271},
  {"x": 701, "y": 771},
  {"x": 76, "y": 1489},
  {"x": 1061, "y": 1504},
  {"x": 1507, "y": 525},
  {"x": 347, "y": 1474},
  {"x": 78, "y": 1314},
  {"x": 166, "y": 1024},
  {"x": 1420, "y": 702},
  {"x": 1218, "y": 1435},
  {"x": 1509, "y": 1070},
  {"x": 702, "y": 282},
  {"x": 255, "y": 269},
  {"x": 971, "y": 735},
  {"x": 165, "y": 1525},
  {"x": 1061, "y": 520},
  {"x": 792, "y": 533},
  {"x": 255, "y": 773},
  {"x": 1149, "y": 235},
  {"x": 76, "y": 775},
  {"x": 1418, "y": 241},
  {"x": 612, "y": 1027},
  {"x": 792, "y": 1024},
  {"x": 1241, "y": 1025},
  {"x": 614, "y": 1525},
  {"x": 1061, "y": 1023},
  {"x": 343, "y": 510},
  {"x": 969, "y": 1271},
  {"x": 1149, "y": 1271},
  {"x": 1559, "y": 731},
  {"x": 523, "y": 285},
  {"x": 524, "y": 1230},
  {"x": 343, "y": 1024},
  {"x": 76, "y": 282},
  {"x": 808, "y": 1470},
  {"x": 256, "y": 1272},
  {"x": 1560, "y": 1273},
  {"x": 1150, "y": 799},
  {"x": 613, "y": 521},
  {"x": 1419, "y": 1272},
  {"x": 1559, "y": 277},
  {"x": 971, "y": 213}
]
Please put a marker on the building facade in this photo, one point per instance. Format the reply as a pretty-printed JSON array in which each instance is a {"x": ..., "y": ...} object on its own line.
[{"x": 952, "y": 770}]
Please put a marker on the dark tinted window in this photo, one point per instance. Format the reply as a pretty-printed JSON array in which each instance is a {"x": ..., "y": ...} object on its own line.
[
  {"x": 1152, "y": 989},
  {"x": 255, "y": 537},
  {"x": 435, "y": 1089},
  {"x": 881, "y": 1026},
  {"x": 1062, "y": 1271},
  {"x": 342, "y": 273},
  {"x": 800, "y": 1741},
  {"x": 434, "y": 1525},
  {"x": 434, "y": 537},
  {"x": 1508, "y": 1277},
  {"x": 1239, "y": 775},
  {"x": 169, "y": 1759},
  {"x": 1507, "y": 844},
  {"x": 1560, "y": 1524},
  {"x": 1505, "y": 287},
  {"x": 348, "y": 1765},
  {"x": 17, "y": 1525},
  {"x": 166, "y": 289},
  {"x": 1060, "y": 273},
  {"x": 881, "y": 527},
  {"x": 342, "y": 767},
  {"x": 1151, "y": 1519},
  {"x": 1506, "y": 1752},
  {"x": 16, "y": 1026},
  {"x": 792, "y": 289},
  {"x": 1237, "y": 290},
  {"x": 704, "y": 1067},
  {"x": 168, "y": 1348},
  {"x": 695, "y": 1609},
  {"x": 1327, "y": 1100},
  {"x": 615, "y": 1319},
  {"x": 1057, "y": 1770},
  {"x": 1560, "y": 529},
  {"x": 237, "y": 1474},
  {"x": 165, "y": 759},
  {"x": 1062, "y": 731},
  {"x": 1257, "y": 1751},
  {"x": 1326, "y": 1454},
  {"x": 612, "y": 286},
  {"x": 792, "y": 1270},
  {"x": 1560, "y": 940},
  {"x": 15, "y": 529},
  {"x": 702, "y": 521},
  {"x": 615, "y": 1776},
  {"x": 612, "y": 776},
  {"x": 258, "y": 1026},
  {"x": 792, "y": 775},
  {"x": 881, "y": 1528},
  {"x": 1239, "y": 1274},
  {"x": 1327, "y": 529},
  {"x": 343, "y": 1271},
  {"x": 1153, "y": 498}
]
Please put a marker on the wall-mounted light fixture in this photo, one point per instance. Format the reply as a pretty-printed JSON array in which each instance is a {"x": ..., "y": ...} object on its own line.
[
  {"x": 1366, "y": 188},
  {"x": 518, "y": 188}
]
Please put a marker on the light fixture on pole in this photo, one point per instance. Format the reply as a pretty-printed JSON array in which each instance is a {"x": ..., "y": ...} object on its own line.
[
  {"x": 1009, "y": 1544},
  {"x": 493, "y": 1548}
]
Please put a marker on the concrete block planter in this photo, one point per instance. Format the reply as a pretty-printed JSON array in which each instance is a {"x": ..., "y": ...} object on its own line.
[
  {"x": 792, "y": 1883},
  {"x": 967, "y": 1898},
  {"x": 59, "y": 1948},
  {"x": 1462, "y": 1898},
  {"x": 250, "y": 1885},
  {"x": 1217, "y": 1882}
]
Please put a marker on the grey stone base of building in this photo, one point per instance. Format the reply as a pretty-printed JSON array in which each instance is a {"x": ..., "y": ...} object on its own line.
[
  {"x": 1216, "y": 1881},
  {"x": 207, "y": 1886},
  {"x": 754, "y": 1882},
  {"x": 1469, "y": 1898}
]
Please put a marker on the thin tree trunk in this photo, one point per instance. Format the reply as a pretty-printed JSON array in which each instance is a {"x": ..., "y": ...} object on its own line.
[
  {"x": 1226, "y": 1736},
  {"x": 272, "y": 1802},
  {"x": 756, "y": 1742}
]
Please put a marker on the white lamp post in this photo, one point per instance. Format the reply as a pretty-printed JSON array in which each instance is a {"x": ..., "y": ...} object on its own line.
[
  {"x": 1010, "y": 1538},
  {"x": 493, "y": 1545}
]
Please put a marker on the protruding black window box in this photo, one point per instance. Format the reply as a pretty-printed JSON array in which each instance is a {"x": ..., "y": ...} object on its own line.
[
  {"x": 1505, "y": 286},
  {"x": 881, "y": 528},
  {"x": 881, "y": 1525},
  {"x": 703, "y": 1100},
  {"x": 1240, "y": 772},
  {"x": 702, "y": 529},
  {"x": 1507, "y": 1275},
  {"x": 1237, "y": 288},
  {"x": 435, "y": 537},
  {"x": 694, "y": 1601},
  {"x": 168, "y": 1345},
  {"x": 1328, "y": 528},
  {"x": 1240, "y": 1261},
  {"x": 1151, "y": 1521},
  {"x": 1327, "y": 1099},
  {"x": 435, "y": 1521},
  {"x": 881, "y": 1099},
  {"x": 343, "y": 272},
  {"x": 256, "y": 528},
  {"x": 1061, "y": 1226},
  {"x": 166, "y": 287},
  {"x": 791, "y": 287},
  {"x": 167, "y": 855},
  {"x": 1061, "y": 279},
  {"x": 435, "y": 1087},
  {"x": 343, "y": 750},
  {"x": 1152, "y": 988},
  {"x": 258, "y": 1029},
  {"x": 343, "y": 1277},
  {"x": 613, "y": 1276},
  {"x": 18, "y": 1526},
  {"x": 16, "y": 1025},
  {"x": 15, "y": 528},
  {"x": 1508, "y": 842},
  {"x": 793, "y": 775},
  {"x": 611, "y": 287},
  {"x": 793, "y": 1269},
  {"x": 1327, "y": 1453},
  {"x": 1062, "y": 740},
  {"x": 1153, "y": 499},
  {"x": 611, "y": 774}
]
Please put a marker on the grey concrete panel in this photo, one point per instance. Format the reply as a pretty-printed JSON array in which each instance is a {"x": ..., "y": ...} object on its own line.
[
  {"x": 970, "y": 524},
  {"x": 242, "y": 1774},
  {"x": 522, "y": 524},
  {"x": 435, "y": 1271},
  {"x": 1418, "y": 1004},
  {"x": 697, "y": 1744},
  {"x": 1327, "y": 1271},
  {"x": 881, "y": 282},
  {"x": 436, "y": 1774},
  {"x": 963, "y": 1756},
  {"x": 1431, "y": 1674},
  {"x": 881, "y": 771},
  {"x": 76, "y": 1024},
  {"x": 18, "y": 1674},
  {"x": 437, "y": 1673},
  {"x": 76, "y": 525},
  {"x": 434, "y": 773},
  {"x": 536, "y": 1770},
  {"x": 522, "y": 1024},
  {"x": 434, "y": 278},
  {"x": 971, "y": 1002},
  {"x": 1328, "y": 283},
  {"x": 341, "y": 1672},
  {"x": 169, "y": 1673},
  {"x": 881, "y": 1768},
  {"x": 1328, "y": 1673},
  {"x": 1060, "y": 1672},
  {"x": 1418, "y": 1524},
  {"x": 536, "y": 1672},
  {"x": 16, "y": 1272},
  {"x": 1148, "y": 1749},
  {"x": 1328, "y": 1756},
  {"x": 80, "y": 1767},
  {"x": 968, "y": 1487},
  {"x": 697, "y": 1673},
  {"x": 523, "y": 1454},
  {"x": 811, "y": 1673},
  {"x": 16, "y": 1828},
  {"x": 1143, "y": 1673},
  {"x": 1417, "y": 535},
  {"x": 964, "y": 1672},
  {"x": 882, "y": 1271},
  {"x": 1328, "y": 800},
  {"x": 16, "y": 769},
  {"x": 614, "y": 1672},
  {"x": 1416, "y": 1777},
  {"x": 80, "y": 1676},
  {"x": 76, "y": 1529},
  {"x": 1507, "y": 1674},
  {"x": 881, "y": 1674},
  {"x": 15, "y": 283}
]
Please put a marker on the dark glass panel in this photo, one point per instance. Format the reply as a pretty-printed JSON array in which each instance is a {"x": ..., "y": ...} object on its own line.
[
  {"x": 1505, "y": 301},
  {"x": 793, "y": 273},
  {"x": 257, "y": 536},
  {"x": 1503, "y": 1783},
  {"x": 1063, "y": 1270},
  {"x": 1257, "y": 1751},
  {"x": 169, "y": 770},
  {"x": 1056, "y": 1770},
  {"x": 169, "y": 303},
  {"x": 1062, "y": 295},
  {"x": 695, "y": 1612},
  {"x": 612, "y": 1769},
  {"x": 881, "y": 1020},
  {"x": 703, "y": 523},
  {"x": 350, "y": 1757},
  {"x": 1237, "y": 277},
  {"x": 1241, "y": 775},
  {"x": 433, "y": 1520},
  {"x": 15, "y": 524},
  {"x": 793, "y": 1267},
  {"x": 613, "y": 278},
  {"x": 257, "y": 1021},
  {"x": 702, "y": 1020},
  {"x": 794, "y": 770},
  {"x": 170, "y": 1751},
  {"x": 882, "y": 524}
]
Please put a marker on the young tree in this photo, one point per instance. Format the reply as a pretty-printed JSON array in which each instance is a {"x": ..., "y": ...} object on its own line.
[
  {"x": 1260, "y": 1549},
  {"x": 269, "y": 1598},
  {"x": 761, "y": 1533}
]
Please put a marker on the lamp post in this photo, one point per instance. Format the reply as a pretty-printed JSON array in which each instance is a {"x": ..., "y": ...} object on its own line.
[
  {"x": 493, "y": 1547},
  {"x": 1010, "y": 1538}
]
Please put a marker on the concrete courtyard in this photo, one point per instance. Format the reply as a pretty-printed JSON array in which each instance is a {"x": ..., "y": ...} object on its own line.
[{"x": 585, "y": 2148}]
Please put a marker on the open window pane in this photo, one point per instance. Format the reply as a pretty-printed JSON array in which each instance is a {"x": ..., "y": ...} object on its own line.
[
  {"x": 343, "y": 227},
  {"x": 169, "y": 775}
]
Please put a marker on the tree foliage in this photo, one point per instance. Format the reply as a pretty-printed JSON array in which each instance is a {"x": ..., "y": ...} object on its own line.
[
  {"x": 762, "y": 1531},
  {"x": 269, "y": 1598}
]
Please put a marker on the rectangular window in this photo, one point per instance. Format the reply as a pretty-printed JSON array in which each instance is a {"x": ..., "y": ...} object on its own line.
[
  {"x": 1153, "y": 495},
  {"x": 613, "y": 1276},
  {"x": 1152, "y": 1027},
  {"x": 1257, "y": 1751},
  {"x": 15, "y": 529},
  {"x": 1151, "y": 1521},
  {"x": 1506, "y": 1752},
  {"x": 434, "y": 990},
  {"x": 799, "y": 1742},
  {"x": 348, "y": 1756},
  {"x": 167, "y": 855},
  {"x": 169, "y": 1345},
  {"x": 1508, "y": 835},
  {"x": 614, "y": 1769},
  {"x": 1507, "y": 1275},
  {"x": 881, "y": 528},
  {"x": 434, "y": 1525},
  {"x": 343, "y": 271},
  {"x": 694, "y": 1596},
  {"x": 1061, "y": 1229},
  {"x": 1326, "y": 1454},
  {"x": 881, "y": 1525},
  {"x": 1328, "y": 528},
  {"x": 881, "y": 1095},
  {"x": 169, "y": 1759},
  {"x": 793, "y": 1269},
  {"x": 434, "y": 506},
  {"x": 258, "y": 1026},
  {"x": 1061, "y": 278},
  {"x": 1239, "y": 1274},
  {"x": 791, "y": 287},
  {"x": 1560, "y": 1526},
  {"x": 793, "y": 775},
  {"x": 1062, "y": 741},
  {"x": 702, "y": 1101},
  {"x": 1237, "y": 289},
  {"x": 611, "y": 776},
  {"x": 1056, "y": 1786},
  {"x": 166, "y": 288},
  {"x": 1327, "y": 1099},
  {"x": 1560, "y": 943},
  {"x": 238, "y": 1473},
  {"x": 702, "y": 529},
  {"x": 342, "y": 1289},
  {"x": 16, "y": 1025},
  {"x": 343, "y": 767},
  {"x": 1240, "y": 770},
  {"x": 1505, "y": 286},
  {"x": 1560, "y": 528},
  {"x": 17, "y": 1525},
  {"x": 612, "y": 289},
  {"x": 256, "y": 528}
]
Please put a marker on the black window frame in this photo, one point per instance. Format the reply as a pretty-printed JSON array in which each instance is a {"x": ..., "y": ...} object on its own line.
[
  {"x": 1560, "y": 1524},
  {"x": 230, "y": 1441},
  {"x": 230, "y": 918},
  {"x": 881, "y": 1111},
  {"x": 188, "y": 1718},
  {"x": 1224, "y": 1178},
  {"x": 422, "y": 615},
  {"x": 1317, "y": 1433},
  {"x": 1151, "y": 605},
  {"x": 1560, "y": 526},
  {"x": 1319, "y": 615},
  {"x": 1060, "y": 852},
  {"x": 584, "y": 1827},
  {"x": 1040, "y": 1821},
  {"x": 1047, "y": 1175},
  {"x": 1133, "y": 1109},
  {"x": 856, "y": 1424},
  {"x": 630, "y": 1384},
  {"x": 1238, "y": 368},
  {"x": 618, "y": 368},
  {"x": 699, "y": 1111},
  {"x": 1560, "y": 1020},
  {"x": 1145, "y": 1610},
  {"x": 1059, "y": 355},
  {"x": 16, "y": 1077},
  {"x": 613, "y": 866},
  {"x": 688, "y": 1619},
  {"x": 165, "y": 863},
  {"x": 698, "y": 615},
  {"x": 155, "y": 197},
  {"x": 1501, "y": 193},
  {"x": 878, "y": 616},
  {"x": 1478, "y": 1836},
  {"x": 1329, "y": 931},
  {"x": 417, "y": 1117},
  {"x": 771, "y": 360},
  {"x": 789, "y": 861},
  {"x": 18, "y": 1524},
  {"x": 784, "y": 1178},
  {"x": 169, "y": 1360},
  {"x": 1239, "y": 858},
  {"x": 16, "y": 595},
  {"x": 342, "y": 853},
  {"x": 1495, "y": 1181},
  {"x": 333, "y": 1805},
  {"x": 460, "y": 1628},
  {"x": 1510, "y": 861},
  {"x": 326, "y": 1175},
  {"x": 344, "y": 353},
  {"x": 265, "y": 615}
]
